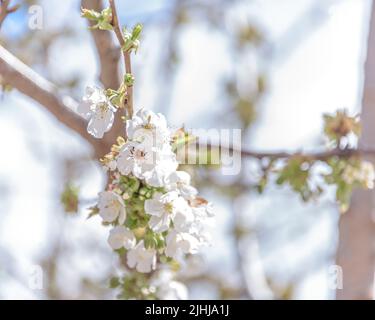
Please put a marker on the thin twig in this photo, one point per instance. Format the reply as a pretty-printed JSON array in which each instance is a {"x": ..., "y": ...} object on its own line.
[
  {"x": 4, "y": 4},
  {"x": 126, "y": 55}
]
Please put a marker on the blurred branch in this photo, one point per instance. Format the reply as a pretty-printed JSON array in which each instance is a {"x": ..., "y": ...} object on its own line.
[
  {"x": 241, "y": 264},
  {"x": 5, "y": 10},
  {"x": 108, "y": 53},
  {"x": 322, "y": 156},
  {"x": 18, "y": 75}
]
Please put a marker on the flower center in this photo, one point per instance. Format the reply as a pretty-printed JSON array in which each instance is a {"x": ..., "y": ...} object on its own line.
[
  {"x": 114, "y": 204},
  {"x": 148, "y": 125},
  {"x": 168, "y": 207},
  {"x": 103, "y": 108},
  {"x": 138, "y": 154}
]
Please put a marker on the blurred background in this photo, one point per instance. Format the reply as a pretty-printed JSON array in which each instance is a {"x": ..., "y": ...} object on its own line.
[{"x": 268, "y": 67}]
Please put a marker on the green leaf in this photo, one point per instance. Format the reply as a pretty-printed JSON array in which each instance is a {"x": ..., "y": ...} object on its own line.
[
  {"x": 137, "y": 31},
  {"x": 93, "y": 212}
]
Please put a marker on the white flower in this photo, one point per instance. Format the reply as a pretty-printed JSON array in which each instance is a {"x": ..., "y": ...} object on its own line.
[
  {"x": 145, "y": 163},
  {"x": 165, "y": 208},
  {"x": 165, "y": 164},
  {"x": 149, "y": 128},
  {"x": 111, "y": 206},
  {"x": 144, "y": 260},
  {"x": 135, "y": 158},
  {"x": 180, "y": 181},
  {"x": 96, "y": 106},
  {"x": 180, "y": 242},
  {"x": 121, "y": 237},
  {"x": 109, "y": 165}
]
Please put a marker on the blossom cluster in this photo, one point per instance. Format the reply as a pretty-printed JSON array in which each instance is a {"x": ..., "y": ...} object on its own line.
[{"x": 155, "y": 213}]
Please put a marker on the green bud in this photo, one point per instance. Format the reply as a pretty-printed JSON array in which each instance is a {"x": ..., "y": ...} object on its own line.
[
  {"x": 143, "y": 191},
  {"x": 69, "y": 198},
  {"x": 114, "y": 282},
  {"x": 107, "y": 14},
  {"x": 131, "y": 39},
  {"x": 129, "y": 79},
  {"x": 137, "y": 31}
]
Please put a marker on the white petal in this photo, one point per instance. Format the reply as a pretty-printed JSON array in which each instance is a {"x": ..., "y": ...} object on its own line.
[
  {"x": 125, "y": 163},
  {"x": 100, "y": 123},
  {"x": 122, "y": 216},
  {"x": 160, "y": 224},
  {"x": 154, "y": 207},
  {"x": 120, "y": 237},
  {"x": 131, "y": 258},
  {"x": 84, "y": 109}
]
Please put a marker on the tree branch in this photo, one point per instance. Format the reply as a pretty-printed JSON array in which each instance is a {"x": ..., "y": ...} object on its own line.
[
  {"x": 126, "y": 55},
  {"x": 20, "y": 76},
  {"x": 4, "y": 4},
  {"x": 322, "y": 156},
  {"x": 108, "y": 53},
  {"x": 5, "y": 9}
]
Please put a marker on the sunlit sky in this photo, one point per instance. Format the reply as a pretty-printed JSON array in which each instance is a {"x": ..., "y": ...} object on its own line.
[{"x": 314, "y": 65}]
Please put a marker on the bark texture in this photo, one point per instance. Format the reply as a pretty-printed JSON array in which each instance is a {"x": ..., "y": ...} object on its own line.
[{"x": 356, "y": 254}]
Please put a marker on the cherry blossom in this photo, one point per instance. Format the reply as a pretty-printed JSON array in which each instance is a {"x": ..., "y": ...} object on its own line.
[
  {"x": 111, "y": 206},
  {"x": 180, "y": 181},
  {"x": 148, "y": 127},
  {"x": 164, "y": 208},
  {"x": 180, "y": 242},
  {"x": 96, "y": 107},
  {"x": 144, "y": 260},
  {"x": 121, "y": 237}
]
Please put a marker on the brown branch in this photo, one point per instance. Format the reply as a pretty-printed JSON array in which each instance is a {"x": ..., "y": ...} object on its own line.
[
  {"x": 18, "y": 75},
  {"x": 322, "y": 156},
  {"x": 108, "y": 53},
  {"x": 126, "y": 55}
]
